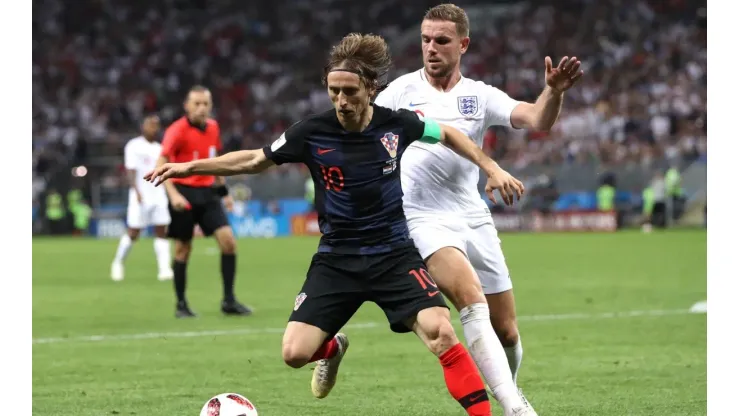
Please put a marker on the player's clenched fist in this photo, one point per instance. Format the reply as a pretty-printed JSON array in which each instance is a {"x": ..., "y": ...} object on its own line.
[
  {"x": 507, "y": 185},
  {"x": 167, "y": 171}
]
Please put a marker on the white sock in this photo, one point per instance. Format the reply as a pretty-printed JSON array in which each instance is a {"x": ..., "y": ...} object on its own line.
[
  {"x": 514, "y": 355},
  {"x": 489, "y": 355},
  {"x": 124, "y": 246},
  {"x": 162, "y": 251}
]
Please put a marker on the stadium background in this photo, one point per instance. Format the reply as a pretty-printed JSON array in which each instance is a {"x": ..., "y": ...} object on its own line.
[{"x": 99, "y": 66}]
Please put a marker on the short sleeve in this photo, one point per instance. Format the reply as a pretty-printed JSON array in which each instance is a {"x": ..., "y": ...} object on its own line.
[
  {"x": 171, "y": 142},
  {"x": 219, "y": 143},
  {"x": 289, "y": 147},
  {"x": 413, "y": 126},
  {"x": 129, "y": 156},
  {"x": 388, "y": 97},
  {"x": 498, "y": 107}
]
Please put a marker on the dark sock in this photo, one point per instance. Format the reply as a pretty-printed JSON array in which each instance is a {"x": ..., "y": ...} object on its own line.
[
  {"x": 179, "y": 268},
  {"x": 228, "y": 274}
]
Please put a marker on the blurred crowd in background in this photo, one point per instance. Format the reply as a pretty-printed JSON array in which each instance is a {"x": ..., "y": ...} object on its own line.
[{"x": 100, "y": 65}]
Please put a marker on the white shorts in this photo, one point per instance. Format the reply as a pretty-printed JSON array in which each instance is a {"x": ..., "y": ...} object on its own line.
[
  {"x": 140, "y": 216},
  {"x": 476, "y": 238}
]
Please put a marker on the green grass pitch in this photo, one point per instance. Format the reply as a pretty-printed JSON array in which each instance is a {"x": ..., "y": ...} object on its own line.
[{"x": 605, "y": 327}]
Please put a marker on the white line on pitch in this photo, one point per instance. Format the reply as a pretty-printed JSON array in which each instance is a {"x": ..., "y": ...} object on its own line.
[{"x": 365, "y": 325}]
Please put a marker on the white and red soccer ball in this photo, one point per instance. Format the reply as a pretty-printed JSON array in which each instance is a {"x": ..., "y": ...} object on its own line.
[{"x": 229, "y": 404}]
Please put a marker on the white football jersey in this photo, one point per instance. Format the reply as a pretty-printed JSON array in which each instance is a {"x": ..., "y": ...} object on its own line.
[
  {"x": 141, "y": 156},
  {"x": 435, "y": 179}
]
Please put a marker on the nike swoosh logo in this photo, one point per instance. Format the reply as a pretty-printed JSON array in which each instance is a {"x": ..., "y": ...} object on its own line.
[
  {"x": 324, "y": 151},
  {"x": 430, "y": 294},
  {"x": 476, "y": 398},
  {"x": 415, "y": 104}
]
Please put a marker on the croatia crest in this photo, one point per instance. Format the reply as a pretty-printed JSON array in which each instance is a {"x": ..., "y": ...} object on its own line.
[
  {"x": 299, "y": 300},
  {"x": 468, "y": 105},
  {"x": 390, "y": 142}
]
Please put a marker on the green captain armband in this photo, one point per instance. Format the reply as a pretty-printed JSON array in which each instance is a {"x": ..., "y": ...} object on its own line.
[{"x": 432, "y": 132}]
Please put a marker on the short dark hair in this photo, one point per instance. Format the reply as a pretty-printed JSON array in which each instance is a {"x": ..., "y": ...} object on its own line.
[
  {"x": 366, "y": 55},
  {"x": 196, "y": 88},
  {"x": 448, "y": 12}
]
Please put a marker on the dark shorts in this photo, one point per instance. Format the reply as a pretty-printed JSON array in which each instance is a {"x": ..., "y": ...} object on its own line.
[
  {"x": 205, "y": 210},
  {"x": 338, "y": 284}
]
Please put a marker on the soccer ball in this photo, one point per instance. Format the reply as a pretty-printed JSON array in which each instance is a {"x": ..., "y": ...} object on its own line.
[{"x": 229, "y": 404}]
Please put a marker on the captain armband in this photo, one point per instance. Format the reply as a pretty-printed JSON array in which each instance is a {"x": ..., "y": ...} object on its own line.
[{"x": 432, "y": 132}]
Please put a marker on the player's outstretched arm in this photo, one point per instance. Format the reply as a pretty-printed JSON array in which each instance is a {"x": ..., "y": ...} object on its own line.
[
  {"x": 544, "y": 112},
  {"x": 508, "y": 186},
  {"x": 230, "y": 164},
  {"x": 233, "y": 163}
]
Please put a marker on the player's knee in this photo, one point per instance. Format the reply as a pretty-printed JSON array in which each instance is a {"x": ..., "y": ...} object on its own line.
[
  {"x": 228, "y": 246},
  {"x": 295, "y": 356},
  {"x": 133, "y": 234},
  {"x": 226, "y": 240},
  {"x": 466, "y": 294},
  {"x": 182, "y": 250},
  {"x": 507, "y": 331},
  {"x": 440, "y": 335}
]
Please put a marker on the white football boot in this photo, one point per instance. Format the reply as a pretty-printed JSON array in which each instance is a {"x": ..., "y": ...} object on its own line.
[{"x": 325, "y": 373}]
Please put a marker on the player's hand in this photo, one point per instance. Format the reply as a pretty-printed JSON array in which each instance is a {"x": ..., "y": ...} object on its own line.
[
  {"x": 178, "y": 202},
  {"x": 510, "y": 188},
  {"x": 169, "y": 170},
  {"x": 228, "y": 203},
  {"x": 565, "y": 75}
]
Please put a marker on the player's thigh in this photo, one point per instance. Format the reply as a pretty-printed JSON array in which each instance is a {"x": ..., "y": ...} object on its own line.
[
  {"x": 442, "y": 245},
  {"x": 135, "y": 216},
  {"x": 430, "y": 234},
  {"x": 158, "y": 215},
  {"x": 484, "y": 251},
  {"x": 455, "y": 276},
  {"x": 181, "y": 224},
  {"x": 329, "y": 297},
  {"x": 402, "y": 287},
  {"x": 212, "y": 217}
]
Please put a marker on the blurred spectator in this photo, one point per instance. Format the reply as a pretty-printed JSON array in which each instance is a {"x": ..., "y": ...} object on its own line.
[{"x": 99, "y": 66}]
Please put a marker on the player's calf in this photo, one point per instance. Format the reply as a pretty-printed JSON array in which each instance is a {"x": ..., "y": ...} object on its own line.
[
  {"x": 433, "y": 326},
  {"x": 503, "y": 319},
  {"x": 124, "y": 247},
  {"x": 304, "y": 343}
]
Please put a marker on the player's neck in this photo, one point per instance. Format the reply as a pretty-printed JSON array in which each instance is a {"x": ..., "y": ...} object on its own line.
[
  {"x": 445, "y": 83},
  {"x": 361, "y": 123},
  {"x": 199, "y": 125}
]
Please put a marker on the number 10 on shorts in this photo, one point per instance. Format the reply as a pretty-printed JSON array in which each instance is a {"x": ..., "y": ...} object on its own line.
[{"x": 425, "y": 280}]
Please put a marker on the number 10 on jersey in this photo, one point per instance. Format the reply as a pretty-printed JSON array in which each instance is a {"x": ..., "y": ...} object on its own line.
[{"x": 333, "y": 178}]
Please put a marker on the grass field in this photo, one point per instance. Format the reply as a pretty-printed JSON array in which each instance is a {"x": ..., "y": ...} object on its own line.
[{"x": 604, "y": 318}]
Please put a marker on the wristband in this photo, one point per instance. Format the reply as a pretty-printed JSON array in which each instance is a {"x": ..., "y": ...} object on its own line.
[{"x": 222, "y": 190}]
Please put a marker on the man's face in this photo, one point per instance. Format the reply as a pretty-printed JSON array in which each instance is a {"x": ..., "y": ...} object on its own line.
[
  {"x": 441, "y": 47},
  {"x": 198, "y": 106},
  {"x": 151, "y": 127},
  {"x": 348, "y": 94}
]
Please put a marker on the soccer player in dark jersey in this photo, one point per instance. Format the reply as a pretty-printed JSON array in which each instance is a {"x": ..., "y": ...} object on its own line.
[
  {"x": 365, "y": 252},
  {"x": 197, "y": 200}
]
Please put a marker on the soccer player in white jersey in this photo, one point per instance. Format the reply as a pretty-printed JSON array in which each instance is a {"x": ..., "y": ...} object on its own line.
[
  {"x": 147, "y": 205},
  {"x": 449, "y": 222}
]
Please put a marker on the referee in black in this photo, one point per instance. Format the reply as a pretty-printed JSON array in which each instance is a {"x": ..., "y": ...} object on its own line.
[{"x": 196, "y": 200}]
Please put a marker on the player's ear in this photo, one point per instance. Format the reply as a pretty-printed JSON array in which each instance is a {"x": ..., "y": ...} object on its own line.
[{"x": 464, "y": 43}]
